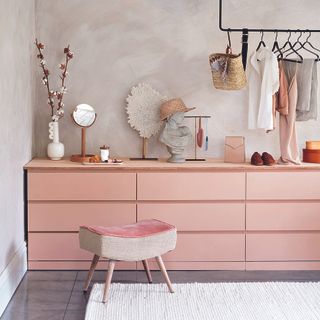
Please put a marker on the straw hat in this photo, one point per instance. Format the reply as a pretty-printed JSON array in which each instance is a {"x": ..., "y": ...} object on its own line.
[{"x": 172, "y": 106}]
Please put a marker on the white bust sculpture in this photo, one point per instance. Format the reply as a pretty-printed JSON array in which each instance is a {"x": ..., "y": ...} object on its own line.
[{"x": 175, "y": 135}]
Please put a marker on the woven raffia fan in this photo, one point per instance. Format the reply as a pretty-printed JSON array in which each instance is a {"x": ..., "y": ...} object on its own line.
[{"x": 143, "y": 109}]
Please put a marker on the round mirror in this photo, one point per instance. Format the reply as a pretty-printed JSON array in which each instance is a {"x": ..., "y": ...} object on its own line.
[{"x": 84, "y": 115}]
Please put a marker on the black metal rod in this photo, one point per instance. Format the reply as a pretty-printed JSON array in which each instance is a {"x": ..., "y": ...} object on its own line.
[
  {"x": 270, "y": 30},
  {"x": 191, "y": 117},
  {"x": 258, "y": 29}
]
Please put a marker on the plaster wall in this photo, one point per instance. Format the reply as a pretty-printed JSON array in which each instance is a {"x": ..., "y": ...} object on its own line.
[
  {"x": 17, "y": 29},
  {"x": 166, "y": 43}
]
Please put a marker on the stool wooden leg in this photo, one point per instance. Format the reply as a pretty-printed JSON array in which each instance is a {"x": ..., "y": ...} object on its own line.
[
  {"x": 108, "y": 280},
  {"x": 146, "y": 268},
  {"x": 164, "y": 272},
  {"x": 91, "y": 271}
]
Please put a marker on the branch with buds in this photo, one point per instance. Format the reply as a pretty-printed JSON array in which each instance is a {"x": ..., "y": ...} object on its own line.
[{"x": 54, "y": 94}]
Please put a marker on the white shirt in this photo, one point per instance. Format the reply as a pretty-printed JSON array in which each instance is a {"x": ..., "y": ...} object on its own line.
[{"x": 263, "y": 82}]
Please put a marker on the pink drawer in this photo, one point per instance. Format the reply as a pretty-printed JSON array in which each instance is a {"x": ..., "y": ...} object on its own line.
[
  {"x": 283, "y": 185},
  {"x": 283, "y": 246},
  {"x": 77, "y": 265},
  {"x": 283, "y": 216},
  {"x": 196, "y": 216},
  {"x": 208, "y": 247},
  {"x": 190, "y": 247},
  {"x": 68, "y": 216},
  {"x": 55, "y": 246},
  {"x": 81, "y": 186},
  {"x": 56, "y": 251},
  {"x": 191, "y": 186}
]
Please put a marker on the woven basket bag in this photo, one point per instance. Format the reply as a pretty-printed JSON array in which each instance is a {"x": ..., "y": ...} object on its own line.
[{"x": 235, "y": 75}]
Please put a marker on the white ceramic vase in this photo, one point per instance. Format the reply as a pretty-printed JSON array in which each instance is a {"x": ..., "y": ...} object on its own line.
[{"x": 55, "y": 148}]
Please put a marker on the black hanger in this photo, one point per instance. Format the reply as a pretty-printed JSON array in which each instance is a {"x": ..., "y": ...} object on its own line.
[
  {"x": 295, "y": 44},
  {"x": 283, "y": 50},
  {"x": 302, "y": 46},
  {"x": 261, "y": 43},
  {"x": 276, "y": 47},
  {"x": 309, "y": 43},
  {"x": 312, "y": 47}
]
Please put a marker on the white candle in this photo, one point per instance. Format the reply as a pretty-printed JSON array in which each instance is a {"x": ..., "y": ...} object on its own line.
[{"x": 104, "y": 153}]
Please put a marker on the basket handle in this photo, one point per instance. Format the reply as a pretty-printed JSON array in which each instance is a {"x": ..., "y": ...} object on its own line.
[
  {"x": 228, "y": 50},
  {"x": 229, "y": 45}
]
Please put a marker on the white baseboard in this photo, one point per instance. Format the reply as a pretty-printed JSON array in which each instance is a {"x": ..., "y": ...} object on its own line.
[{"x": 11, "y": 276}]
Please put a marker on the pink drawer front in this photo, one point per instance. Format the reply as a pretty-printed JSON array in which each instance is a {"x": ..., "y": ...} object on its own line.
[
  {"x": 81, "y": 186},
  {"x": 283, "y": 185},
  {"x": 195, "y": 265},
  {"x": 196, "y": 216},
  {"x": 208, "y": 247},
  {"x": 77, "y": 265},
  {"x": 283, "y": 246},
  {"x": 190, "y": 247},
  {"x": 56, "y": 251},
  {"x": 191, "y": 186},
  {"x": 68, "y": 216},
  {"x": 55, "y": 246},
  {"x": 283, "y": 216}
]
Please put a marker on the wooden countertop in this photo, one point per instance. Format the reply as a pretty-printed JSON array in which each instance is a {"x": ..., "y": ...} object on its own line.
[{"x": 40, "y": 164}]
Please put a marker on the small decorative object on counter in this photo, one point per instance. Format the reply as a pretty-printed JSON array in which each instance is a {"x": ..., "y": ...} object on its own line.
[
  {"x": 227, "y": 70},
  {"x": 143, "y": 104},
  {"x": 84, "y": 117},
  {"x": 234, "y": 149},
  {"x": 312, "y": 152},
  {"x": 95, "y": 159},
  {"x": 200, "y": 135},
  {"x": 104, "y": 153},
  {"x": 174, "y": 135},
  {"x": 256, "y": 159},
  {"x": 207, "y": 137},
  {"x": 55, "y": 149},
  {"x": 313, "y": 145},
  {"x": 266, "y": 159}
]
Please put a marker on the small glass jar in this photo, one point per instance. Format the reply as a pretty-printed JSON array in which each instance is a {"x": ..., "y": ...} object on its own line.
[{"x": 104, "y": 153}]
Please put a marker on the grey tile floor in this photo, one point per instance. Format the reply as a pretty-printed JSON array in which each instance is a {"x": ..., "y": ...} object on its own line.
[{"x": 57, "y": 295}]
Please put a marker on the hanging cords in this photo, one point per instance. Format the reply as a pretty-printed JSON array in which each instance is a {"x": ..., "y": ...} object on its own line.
[{"x": 229, "y": 38}]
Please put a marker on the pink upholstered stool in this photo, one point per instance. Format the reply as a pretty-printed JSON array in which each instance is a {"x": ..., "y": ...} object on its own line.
[{"x": 135, "y": 242}]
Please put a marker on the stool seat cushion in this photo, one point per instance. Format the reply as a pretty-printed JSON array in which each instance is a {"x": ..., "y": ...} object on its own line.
[
  {"x": 140, "y": 241},
  {"x": 142, "y": 228}
]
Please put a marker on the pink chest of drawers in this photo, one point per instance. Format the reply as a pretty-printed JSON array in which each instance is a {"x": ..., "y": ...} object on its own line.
[{"x": 228, "y": 216}]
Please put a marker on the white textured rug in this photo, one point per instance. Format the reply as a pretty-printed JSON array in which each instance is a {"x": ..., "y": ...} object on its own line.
[{"x": 200, "y": 301}]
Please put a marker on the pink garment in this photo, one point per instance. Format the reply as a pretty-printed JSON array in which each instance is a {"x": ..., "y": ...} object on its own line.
[
  {"x": 280, "y": 100},
  {"x": 143, "y": 228},
  {"x": 287, "y": 123}
]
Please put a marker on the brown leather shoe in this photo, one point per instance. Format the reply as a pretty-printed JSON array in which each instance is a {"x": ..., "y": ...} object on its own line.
[
  {"x": 256, "y": 159},
  {"x": 267, "y": 159}
]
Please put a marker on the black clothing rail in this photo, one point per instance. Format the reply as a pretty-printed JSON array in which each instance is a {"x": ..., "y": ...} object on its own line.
[
  {"x": 245, "y": 33},
  {"x": 257, "y": 29}
]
